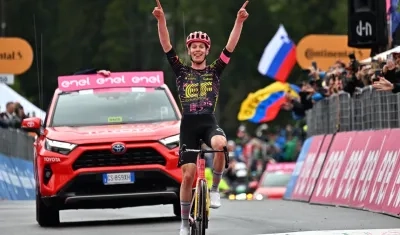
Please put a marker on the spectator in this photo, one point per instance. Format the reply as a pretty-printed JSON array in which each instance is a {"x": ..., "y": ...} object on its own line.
[
  {"x": 385, "y": 85},
  {"x": 19, "y": 115},
  {"x": 3, "y": 124},
  {"x": 290, "y": 148},
  {"x": 13, "y": 116},
  {"x": 9, "y": 113},
  {"x": 348, "y": 78},
  {"x": 310, "y": 93},
  {"x": 7, "y": 117}
]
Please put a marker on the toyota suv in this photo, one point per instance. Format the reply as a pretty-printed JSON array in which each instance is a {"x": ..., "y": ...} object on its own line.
[{"x": 106, "y": 142}]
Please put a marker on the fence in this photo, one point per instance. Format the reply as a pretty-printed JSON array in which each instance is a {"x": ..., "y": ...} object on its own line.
[
  {"x": 16, "y": 143},
  {"x": 367, "y": 109}
]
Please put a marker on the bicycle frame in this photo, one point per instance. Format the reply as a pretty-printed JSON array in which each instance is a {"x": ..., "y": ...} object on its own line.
[{"x": 201, "y": 164}]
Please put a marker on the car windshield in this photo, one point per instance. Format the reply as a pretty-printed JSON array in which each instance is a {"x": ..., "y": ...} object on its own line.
[
  {"x": 87, "y": 108},
  {"x": 276, "y": 179}
]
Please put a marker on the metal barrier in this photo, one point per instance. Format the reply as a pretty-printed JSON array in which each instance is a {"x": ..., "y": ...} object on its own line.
[
  {"x": 16, "y": 143},
  {"x": 368, "y": 109}
]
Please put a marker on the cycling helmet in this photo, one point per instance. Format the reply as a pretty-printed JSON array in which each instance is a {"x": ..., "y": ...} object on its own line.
[{"x": 198, "y": 36}]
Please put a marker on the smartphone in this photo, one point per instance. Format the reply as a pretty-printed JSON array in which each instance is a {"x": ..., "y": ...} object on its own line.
[
  {"x": 377, "y": 73},
  {"x": 375, "y": 79},
  {"x": 314, "y": 65}
]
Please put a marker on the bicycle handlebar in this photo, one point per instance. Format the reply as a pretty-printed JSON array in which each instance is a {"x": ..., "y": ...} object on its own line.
[
  {"x": 202, "y": 151},
  {"x": 185, "y": 150}
]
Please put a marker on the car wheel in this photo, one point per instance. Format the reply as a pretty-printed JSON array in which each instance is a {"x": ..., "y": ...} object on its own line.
[
  {"x": 46, "y": 216},
  {"x": 177, "y": 209}
]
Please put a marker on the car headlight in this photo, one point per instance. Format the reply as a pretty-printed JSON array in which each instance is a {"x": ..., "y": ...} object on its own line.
[
  {"x": 171, "y": 142},
  {"x": 258, "y": 197},
  {"x": 241, "y": 196},
  {"x": 58, "y": 146}
]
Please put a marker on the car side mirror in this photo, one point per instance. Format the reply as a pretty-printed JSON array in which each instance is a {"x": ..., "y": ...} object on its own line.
[
  {"x": 253, "y": 185},
  {"x": 33, "y": 124}
]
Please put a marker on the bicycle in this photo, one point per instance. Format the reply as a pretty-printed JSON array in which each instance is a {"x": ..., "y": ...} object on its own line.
[{"x": 200, "y": 206}]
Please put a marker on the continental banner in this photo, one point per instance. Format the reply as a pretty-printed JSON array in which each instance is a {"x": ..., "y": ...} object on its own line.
[
  {"x": 16, "y": 55},
  {"x": 326, "y": 50}
]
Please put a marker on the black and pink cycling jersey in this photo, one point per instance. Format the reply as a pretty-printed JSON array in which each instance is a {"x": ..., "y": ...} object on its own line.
[{"x": 198, "y": 90}]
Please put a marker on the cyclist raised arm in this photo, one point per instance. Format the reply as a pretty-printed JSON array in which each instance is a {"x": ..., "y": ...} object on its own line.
[
  {"x": 237, "y": 28},
  {"x": 198, "y": 90},
  {"x": 163, "y": 33}
]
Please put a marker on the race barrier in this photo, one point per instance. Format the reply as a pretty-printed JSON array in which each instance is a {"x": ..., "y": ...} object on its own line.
[
  {"x": 350, "y": 169},
  {"x": 16, "y": 179}
]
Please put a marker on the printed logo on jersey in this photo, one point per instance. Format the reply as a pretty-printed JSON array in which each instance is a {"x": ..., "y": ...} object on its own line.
[
  {"x": 208, "y": 77},
  {"x": 191, "y": 78},
  {"x": 203, "y": 77},
  {"x": 192, "y": 90}
]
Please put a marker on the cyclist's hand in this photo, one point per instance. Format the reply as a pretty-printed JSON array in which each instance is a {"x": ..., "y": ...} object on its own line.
[
  {"x": 242, "y": 13},
  {"x": 158, "y": 11},
  {"x": 105, "y": 73}
]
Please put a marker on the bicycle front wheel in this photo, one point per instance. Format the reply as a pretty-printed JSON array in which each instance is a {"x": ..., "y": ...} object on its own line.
[{"x": 200, "y": 217}]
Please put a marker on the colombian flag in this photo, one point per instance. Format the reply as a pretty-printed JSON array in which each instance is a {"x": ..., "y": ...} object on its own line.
[{"x": 265, "y": 104}]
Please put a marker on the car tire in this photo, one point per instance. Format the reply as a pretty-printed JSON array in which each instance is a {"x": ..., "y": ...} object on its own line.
[
  {"x": 177, "y": 209},
  {"x": 46, "y": 216}
]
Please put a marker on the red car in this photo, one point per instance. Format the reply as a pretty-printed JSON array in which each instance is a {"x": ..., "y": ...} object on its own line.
[
  {"x": 106, "y": 143},
  {"x": 273, "y": 182}
]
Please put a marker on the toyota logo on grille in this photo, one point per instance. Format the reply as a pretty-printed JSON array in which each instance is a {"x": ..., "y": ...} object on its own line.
[{"x": 118, "y": 148}]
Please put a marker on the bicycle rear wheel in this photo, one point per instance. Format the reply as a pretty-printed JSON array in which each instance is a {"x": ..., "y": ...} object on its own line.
[{"x": 200, "y": 210}]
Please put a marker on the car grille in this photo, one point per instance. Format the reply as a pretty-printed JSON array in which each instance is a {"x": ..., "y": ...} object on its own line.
[
  {"x": 145, "y": 181},
  {"x": 133, "y": 156}
]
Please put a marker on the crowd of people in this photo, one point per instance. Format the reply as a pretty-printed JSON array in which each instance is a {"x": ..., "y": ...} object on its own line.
[
  {"x": 267, "y": 145},
  {"x": 343, "y": 77},
  {"x": 12, "y": 116}
]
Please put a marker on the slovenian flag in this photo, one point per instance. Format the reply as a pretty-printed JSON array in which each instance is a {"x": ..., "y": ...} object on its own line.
[{"x": 279, "y": 56}]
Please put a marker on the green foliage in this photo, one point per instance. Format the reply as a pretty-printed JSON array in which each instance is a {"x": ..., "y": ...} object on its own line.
[{"x": 121, "y": 35}]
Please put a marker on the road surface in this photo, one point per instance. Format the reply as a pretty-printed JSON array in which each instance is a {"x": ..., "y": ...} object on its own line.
[{"x": 233, "y": 218}]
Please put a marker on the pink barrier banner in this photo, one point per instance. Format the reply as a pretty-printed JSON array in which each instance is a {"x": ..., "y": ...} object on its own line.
[
  {"x": 361, "y": 170},
  {"x": 391, "y": 203},
  {"x": 384, "y": 173},
  {"x": 115, "y": 80},
  {"x": 319, "y": 144},
  {"x": 372, "y": 152},
  {"x": 353, "y": 161},
  {"x": 333, "y": 168},
  {"x": 305, "y": 172},
  {"x": 317, "y": 166}
]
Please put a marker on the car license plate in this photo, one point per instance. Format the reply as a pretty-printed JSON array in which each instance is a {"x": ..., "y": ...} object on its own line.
[{"x": 119, "y": 178}]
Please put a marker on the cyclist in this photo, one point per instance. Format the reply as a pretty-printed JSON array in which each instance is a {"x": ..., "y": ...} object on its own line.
[{"x": 198, "y": 89}]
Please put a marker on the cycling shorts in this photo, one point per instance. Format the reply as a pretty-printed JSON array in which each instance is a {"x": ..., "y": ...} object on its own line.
[{"x": 196, "y": 127}]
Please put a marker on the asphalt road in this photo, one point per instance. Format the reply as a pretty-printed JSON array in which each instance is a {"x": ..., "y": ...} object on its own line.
[{"x": 234, "y": 218}]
